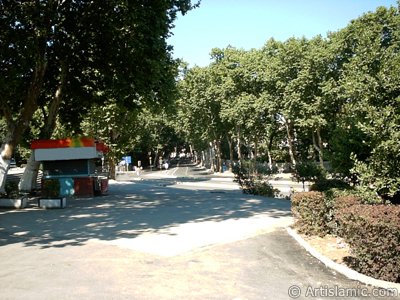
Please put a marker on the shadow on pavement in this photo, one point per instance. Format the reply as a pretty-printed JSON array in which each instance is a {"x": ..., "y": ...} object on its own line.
[{"x": 130, "y": 209}]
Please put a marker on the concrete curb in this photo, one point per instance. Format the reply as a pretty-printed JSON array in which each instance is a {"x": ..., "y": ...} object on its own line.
[{"x": 349, "y": 273}]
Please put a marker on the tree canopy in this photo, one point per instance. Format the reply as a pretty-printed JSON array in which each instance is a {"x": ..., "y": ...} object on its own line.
[
  {"x": 79, "y": 53},
  {"x": 330, "y": 99}
]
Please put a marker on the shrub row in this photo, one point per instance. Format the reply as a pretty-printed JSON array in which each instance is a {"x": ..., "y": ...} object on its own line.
[
  {"x": 372, "y": 231},
  {"x": 311, "y": 212},
  {"x": 328, "y": 184}
]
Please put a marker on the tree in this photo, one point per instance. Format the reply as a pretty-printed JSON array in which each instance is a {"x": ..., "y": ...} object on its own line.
[
  {"x": 243, "y": 108},
  {"x": 199, "y": 111},
  {"x": 63, "y": 44},
  {"x": 370, "y": 86},
  {"x": 270, "y": 99},
  {"x": 23, "y": 65},
  {"x": 288, "y": 66},
  {"x": 227, "y": 67},
  {"x": 335, "y": 97}
]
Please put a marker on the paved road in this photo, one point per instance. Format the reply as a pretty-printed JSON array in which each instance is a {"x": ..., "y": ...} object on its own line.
[
  {"x": 182, "y": 168},
  {"x": 163, "y": 237}
]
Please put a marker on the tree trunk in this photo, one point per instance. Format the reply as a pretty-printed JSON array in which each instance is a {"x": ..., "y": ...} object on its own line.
[
  {"x": 193, "y": 153},
  {"x": 255, "y": 154},
  {"x": 239, "y": 143},
  {"x": 269, "y": 159},
  {"x": 155, "y": 163},
  {"x": 29, "y": 178},
  {"x": 17, "y": 128},
  {"x": 111, "y": 163},
  {"x": 289, "y": 131},
  {"x": 230, "y": 143},
  {"x": 218, "y": 155},
  {"x": 317, "y": 143},
  {"x": 212, "y": 156},
  {"x": 269, "y": 148},
  {"x": 6, "y": 154},
  {"x": 255, "y": 148}
]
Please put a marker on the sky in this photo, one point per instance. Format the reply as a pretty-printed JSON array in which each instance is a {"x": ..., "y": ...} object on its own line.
[{"x": 250, "y": 23}]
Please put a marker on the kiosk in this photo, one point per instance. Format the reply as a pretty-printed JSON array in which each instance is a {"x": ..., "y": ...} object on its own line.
[{"x": 76, "y": 163}]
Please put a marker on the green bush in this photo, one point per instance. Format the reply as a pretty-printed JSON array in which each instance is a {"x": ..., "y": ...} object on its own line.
[
  {"x": 373, "y": 233},
  {"x": 308, "y": 171},
  {"x": 328, "y": 184},
  {"x": 242, "y": 176},
  {"x": 346, "y": 201},
  {"x": 315, "y": 211},
  {"x": 312, "y": 213},
  {"x": 12, "y": 190},
  {"x": 264, "y": 188},
  {"x": 51, "y": 188},
  {"x": 340, "y": 200},
  {"x": 253, "y": 184}
]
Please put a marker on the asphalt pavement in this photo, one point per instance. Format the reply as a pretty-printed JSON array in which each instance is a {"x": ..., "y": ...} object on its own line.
[{"x": 180, "y": 233}]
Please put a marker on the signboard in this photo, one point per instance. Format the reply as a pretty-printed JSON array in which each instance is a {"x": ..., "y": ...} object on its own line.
[
  {"x": 63, "y": 143},
  {"x": 67, "y": 149},
  {"x": 127, "y": 159},
  {"x": 65, "y": 153}
]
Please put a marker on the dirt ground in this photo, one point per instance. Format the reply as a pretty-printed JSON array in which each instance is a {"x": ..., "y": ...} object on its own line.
[{"x": 330, "y": 246}]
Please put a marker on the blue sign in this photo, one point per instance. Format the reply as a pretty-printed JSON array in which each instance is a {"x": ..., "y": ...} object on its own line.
[{"x": 127, "y": 159}]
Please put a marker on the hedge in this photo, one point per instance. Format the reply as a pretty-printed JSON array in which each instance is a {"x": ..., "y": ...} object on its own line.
[
  {"x": 328, "y": 184},
  {"x": 373, "y": 233},
  {"x": 311, "y": 213}
]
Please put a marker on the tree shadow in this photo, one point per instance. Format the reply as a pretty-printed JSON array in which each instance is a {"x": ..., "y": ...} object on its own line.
[{"x": 130, "y": 210}]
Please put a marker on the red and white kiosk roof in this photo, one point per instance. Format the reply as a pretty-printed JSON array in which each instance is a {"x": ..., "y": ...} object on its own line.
[{"x": 68, "y": 148}]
